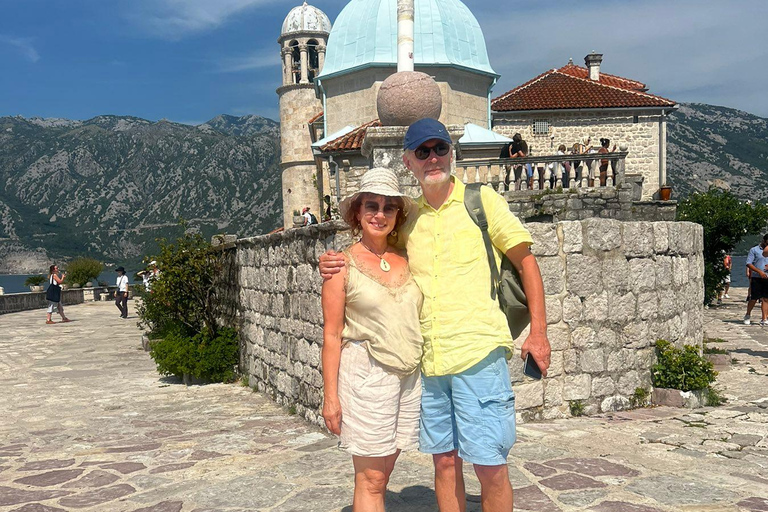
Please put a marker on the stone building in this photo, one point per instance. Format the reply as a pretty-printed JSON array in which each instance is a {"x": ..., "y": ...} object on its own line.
[
  {"x": 563, "y": 106},
  {"x": 303, "y": 42}
]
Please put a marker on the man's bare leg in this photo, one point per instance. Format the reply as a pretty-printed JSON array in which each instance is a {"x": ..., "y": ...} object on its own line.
[
  {"x": 449, "y": 482},
  {"x": 496, "y": 494}
]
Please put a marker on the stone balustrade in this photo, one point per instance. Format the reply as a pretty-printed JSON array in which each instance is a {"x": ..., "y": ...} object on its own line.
[{"x": 612, "y": 289}]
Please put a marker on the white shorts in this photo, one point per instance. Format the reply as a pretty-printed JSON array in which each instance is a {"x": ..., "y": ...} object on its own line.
[
  {"x": 379, "y": 410},
  {"x": 55, "y": 306},
  {"x": 727, "y": 279}
]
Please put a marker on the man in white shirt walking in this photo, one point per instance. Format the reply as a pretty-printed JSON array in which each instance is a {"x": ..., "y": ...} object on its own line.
[{"x": 121, "y": 295}]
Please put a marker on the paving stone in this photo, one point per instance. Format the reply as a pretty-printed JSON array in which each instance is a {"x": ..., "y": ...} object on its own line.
[
  {"x": 745, "y": 439},
  {"x": 676, "y": 490},
  {"x": 621, "y": 506},
  {"x": 571, "y": 481},
  {"x": 93, "y": 479},
  {"x": 580, "y": 498},
  {"x": 317, "y": 499},
  {"x": 533, "y": 499},
  {"x": 97, "y": 496},
  {"x": 50, "y": 478},
  {"x": 238, "y": 492},
  {"x": 137, "y": 448},
  {"x": 37, "y": 507},
  {"x": 205, "y": 455},
  {"x": 13, "y": 496},
  {"x": 125, "y": 467},
  {"x": 42, "y": 465},
  {"x": 171, "y": 467},
  {"x": 539, "y": 469},
  {"x": 166, "y": 506},
  {"x": 592, "y": 467},
  {"x": 754, "y": 504}
]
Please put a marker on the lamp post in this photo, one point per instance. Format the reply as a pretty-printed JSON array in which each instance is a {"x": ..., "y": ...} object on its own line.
[{"x": 405, "y": 16}]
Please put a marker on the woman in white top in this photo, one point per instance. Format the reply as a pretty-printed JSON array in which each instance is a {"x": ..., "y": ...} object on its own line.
[
  {"x": 121, "y": 295},
  {"x": 53, "y": 294}
]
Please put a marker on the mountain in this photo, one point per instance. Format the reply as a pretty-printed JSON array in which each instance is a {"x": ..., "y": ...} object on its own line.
[
  {"x": 708, "y": 142},
  {"x": 109, "y": 186}
]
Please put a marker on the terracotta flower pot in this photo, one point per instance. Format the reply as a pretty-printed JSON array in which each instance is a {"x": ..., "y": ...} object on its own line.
[{"x": 665, "y": 193}]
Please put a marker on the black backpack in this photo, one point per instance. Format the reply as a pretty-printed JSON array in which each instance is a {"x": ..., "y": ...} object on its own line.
[
  {"x": 505, "y": 284},
  {"x": 312, "y": 218}
]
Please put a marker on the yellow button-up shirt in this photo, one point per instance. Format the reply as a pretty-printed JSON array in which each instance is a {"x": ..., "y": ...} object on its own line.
[{"x": 460, "y": 322}]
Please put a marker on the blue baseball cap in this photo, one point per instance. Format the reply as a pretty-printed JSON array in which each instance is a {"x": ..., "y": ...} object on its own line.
[{"x": 423, "y": 130}]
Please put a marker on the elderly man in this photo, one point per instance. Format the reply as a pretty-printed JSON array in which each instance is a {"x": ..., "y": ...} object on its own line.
[{"x": 468, "y": 408}]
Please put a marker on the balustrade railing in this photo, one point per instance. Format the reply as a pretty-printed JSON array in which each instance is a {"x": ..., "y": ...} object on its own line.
[{"x": 589, "y": 170}]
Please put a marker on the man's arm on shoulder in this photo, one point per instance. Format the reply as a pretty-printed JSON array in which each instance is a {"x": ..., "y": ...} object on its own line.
[
  {"x": 537, "y": 343},
  {"x": 330, "y": 263}
]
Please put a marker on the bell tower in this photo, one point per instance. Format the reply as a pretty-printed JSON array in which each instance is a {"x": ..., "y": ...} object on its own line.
[{"x": 302, "y": 48}]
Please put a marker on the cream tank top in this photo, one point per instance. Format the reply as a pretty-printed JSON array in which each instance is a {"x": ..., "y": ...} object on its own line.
[{"x": 385, "y": 318}]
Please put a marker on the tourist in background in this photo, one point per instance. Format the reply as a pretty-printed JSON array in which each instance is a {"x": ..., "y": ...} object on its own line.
[
  {"x": 564, "y": 168},
  {"x": 728, "y": 264},
  {"x": 757, "y": 263},
  {"x": 121, "y": 295},
  {"x": 53, "y": 294},
  {"x": 372, "y": 340},
  {"x": 579, "y": 148},
  {"x": 604, "y": 143},
  {"x": 309, "y": 218},
  {"x": 519, "y": 149}
]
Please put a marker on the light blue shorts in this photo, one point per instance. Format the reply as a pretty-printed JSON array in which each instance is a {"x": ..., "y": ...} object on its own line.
[{"x": 473, "y": 411}]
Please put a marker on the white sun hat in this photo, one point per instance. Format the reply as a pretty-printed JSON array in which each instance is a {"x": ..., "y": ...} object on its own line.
[{"x": 383, "y": 182}]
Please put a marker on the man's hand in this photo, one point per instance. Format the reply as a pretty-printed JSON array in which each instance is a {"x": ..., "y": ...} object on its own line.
[
  {"x": 330, "y": 263},
  {"x": 332, "y": 414},
  {"x": 538, "y": 346}
]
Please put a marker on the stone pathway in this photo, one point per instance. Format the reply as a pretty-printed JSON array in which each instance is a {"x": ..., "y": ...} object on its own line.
[{"x": 86, "y": 424}]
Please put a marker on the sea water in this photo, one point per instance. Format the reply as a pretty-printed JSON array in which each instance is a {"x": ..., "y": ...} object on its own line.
[{"x": 15, "y": 283}]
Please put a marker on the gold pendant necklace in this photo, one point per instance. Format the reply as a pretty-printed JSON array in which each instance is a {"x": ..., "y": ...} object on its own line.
[{"x": 383, "y": 264}]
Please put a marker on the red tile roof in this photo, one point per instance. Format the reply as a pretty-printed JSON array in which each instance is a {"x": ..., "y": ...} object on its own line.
[
  {"x": 570, "y": 88},
  {"x": 352, "y": 141},
  {"x": 315, "y": 118}
]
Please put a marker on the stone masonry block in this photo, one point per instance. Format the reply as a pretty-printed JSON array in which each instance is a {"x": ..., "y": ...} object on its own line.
[
  {"x": 607, "y": 339},
  {"x": 559, "y": 336},
  {"x": 552, "y": 274},
  {"x": 545, "y": 241},
  {"x": 660, "y": 237},
  {"x": 647, "y": 305},
  {"x": 642, "y": 275},
  {"x": 615, "y": 272},
  {"x": 553, "y": 393},
  {"x": 602, "y": 234},
  {"x": 663, "y": 271},
  {"x": 571, "y": 362},
  {"x": 614, "y": 403},
  {"x": 679, "y": 272},
  {"x": 596, "y": 308},
  {"x": 529, "y": 395},
  {"x": 622, "y": 308},
  {"x": 681, "y": 237},
  {"x": 583, "y": 337},
  {"x": 629, "y": 382},
  {"x": 573, "y": 310},
  {"x": 636, "y": 335},
  {"x": 638, "y": 239},
  {"x": 583, "y": 275},
  {"x": 621, "y": 360},
  {"x": 572, "y": 236},
  {"x": 603, "y": 386},
  {"x": 577, "y": 387},
  {"x": 554, "y": 307},
  {"x": 556, "y": 364},
  {"x": 592, "y": 360}
]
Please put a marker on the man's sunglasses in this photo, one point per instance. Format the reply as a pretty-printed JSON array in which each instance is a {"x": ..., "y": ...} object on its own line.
[{"x": 423, "y": 152}]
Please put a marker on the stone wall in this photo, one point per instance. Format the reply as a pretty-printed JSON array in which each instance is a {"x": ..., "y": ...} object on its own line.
[
  {"x": 641, "y": 136},
  {"x": 14, "y": 302},
  {"x": 612, "y": 289}
]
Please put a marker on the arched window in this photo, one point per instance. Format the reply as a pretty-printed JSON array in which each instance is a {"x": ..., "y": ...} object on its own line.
[
  {"x": 296, "y": 59},
  {"x": 313, "y": 58}
]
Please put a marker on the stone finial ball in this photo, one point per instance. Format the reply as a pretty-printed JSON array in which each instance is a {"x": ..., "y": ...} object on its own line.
[{"x": 408, "y": 96}]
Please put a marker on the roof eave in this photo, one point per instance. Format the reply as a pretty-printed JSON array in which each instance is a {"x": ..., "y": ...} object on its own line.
[
  {"x": 591, "y": 109},
  {"x": 367, "y": 65}
]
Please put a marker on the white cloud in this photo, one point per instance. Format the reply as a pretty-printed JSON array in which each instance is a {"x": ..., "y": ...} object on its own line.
[
  {"x": 259, "y": 60},
  {"x": 175, "y": 19},
  {"x": 23, "y": 45}
]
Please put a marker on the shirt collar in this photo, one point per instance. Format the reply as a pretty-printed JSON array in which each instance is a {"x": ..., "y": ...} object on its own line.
[{"x": 457, "y": 195}]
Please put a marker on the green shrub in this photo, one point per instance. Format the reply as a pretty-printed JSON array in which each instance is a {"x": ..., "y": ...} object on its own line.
[
  {"x": 204, "y": 356},
  {"x": 713, "y": 398},
  {"x": 34, "y": 280},
  {"x": 82, "y": 270},
  {"x": 639, "y": 398},
  {"x": 684, "y": 369},
  {"x": 714, "y": 350},
  {"x": 576, "y": 407}
]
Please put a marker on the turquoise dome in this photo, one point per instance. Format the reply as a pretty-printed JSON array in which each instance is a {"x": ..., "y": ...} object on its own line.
[{"x": 446, "y": 33}]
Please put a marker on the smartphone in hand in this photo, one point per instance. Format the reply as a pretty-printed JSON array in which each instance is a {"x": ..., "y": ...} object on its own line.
[{"x": 531, "y": 369}]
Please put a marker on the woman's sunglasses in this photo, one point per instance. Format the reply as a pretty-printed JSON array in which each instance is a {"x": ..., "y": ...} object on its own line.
[{"x": 423, "y": 152}]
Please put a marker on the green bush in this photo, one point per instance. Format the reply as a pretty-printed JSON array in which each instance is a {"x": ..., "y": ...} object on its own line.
[
  {"x": 576, "y": 407},
  {"x": 34, "y": 280},
  {"x": 82, "y": 270},
  {"x": 204, "y": 356},
  {"x": 684, "y": 369},
  {"x": 726, "y": 221}
]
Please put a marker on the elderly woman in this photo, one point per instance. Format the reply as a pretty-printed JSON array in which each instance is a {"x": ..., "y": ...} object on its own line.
[{"x": 372, "y": 342}]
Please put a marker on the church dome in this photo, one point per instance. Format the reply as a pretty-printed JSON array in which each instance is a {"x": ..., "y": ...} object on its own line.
[
  {"x": 446, "y": 33},
  {"x": 306, "y": 18}
]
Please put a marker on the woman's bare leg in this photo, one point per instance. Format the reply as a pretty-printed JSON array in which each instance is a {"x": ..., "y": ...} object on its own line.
[{"x": 371, "y": 478}]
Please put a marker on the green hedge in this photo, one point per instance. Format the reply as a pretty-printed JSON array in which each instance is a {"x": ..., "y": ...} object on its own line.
[
  {"x": 205, "y": 356},
  {"x": 684, "y": 369}
]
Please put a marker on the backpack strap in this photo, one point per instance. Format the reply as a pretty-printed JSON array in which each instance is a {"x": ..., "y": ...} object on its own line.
[{"x": 473, "y": 202}]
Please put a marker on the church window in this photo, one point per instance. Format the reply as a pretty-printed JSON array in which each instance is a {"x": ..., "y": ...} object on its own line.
[{"x": 541, "y": 127}]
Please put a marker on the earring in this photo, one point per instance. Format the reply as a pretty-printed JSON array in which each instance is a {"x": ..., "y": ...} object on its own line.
[{"x": 393, "y": 233}]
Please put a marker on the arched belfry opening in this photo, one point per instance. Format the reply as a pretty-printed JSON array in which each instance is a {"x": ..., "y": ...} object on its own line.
[
  {"x": 313, "y": 59},
  {"x": 295, "y": 66}
]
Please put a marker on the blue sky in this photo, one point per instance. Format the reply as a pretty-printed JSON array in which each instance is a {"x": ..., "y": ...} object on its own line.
[{"x": 190, "y": 60}]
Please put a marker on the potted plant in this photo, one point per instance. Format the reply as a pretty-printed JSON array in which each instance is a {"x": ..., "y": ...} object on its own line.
[
  {"x": 298, "y": 218},
  {"x": 35, "y": 283},
  {"x": 665, "y": 193}
]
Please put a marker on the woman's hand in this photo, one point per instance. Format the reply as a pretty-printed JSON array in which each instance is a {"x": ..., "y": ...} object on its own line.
[{"x": 332, "y": 414}]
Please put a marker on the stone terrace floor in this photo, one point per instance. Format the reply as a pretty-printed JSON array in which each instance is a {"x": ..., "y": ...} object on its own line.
[{"x": 86, "y": 424}]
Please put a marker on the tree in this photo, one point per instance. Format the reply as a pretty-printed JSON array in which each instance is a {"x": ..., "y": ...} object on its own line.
[{"x": 726, "y": 221}]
